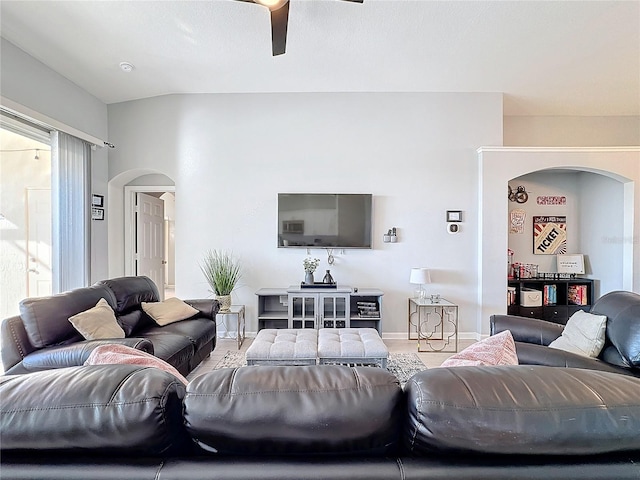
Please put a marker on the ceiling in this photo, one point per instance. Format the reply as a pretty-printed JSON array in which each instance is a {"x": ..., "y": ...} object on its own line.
[{"x": 547, "y": 57}]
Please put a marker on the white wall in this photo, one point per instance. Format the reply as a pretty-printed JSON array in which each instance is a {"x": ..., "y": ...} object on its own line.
[
  {"x": 602, "y": 234},
  {"x": 231, "y": 154},
  {"x": 32, "y": 84},
  {"x": 571, "y": 131}
]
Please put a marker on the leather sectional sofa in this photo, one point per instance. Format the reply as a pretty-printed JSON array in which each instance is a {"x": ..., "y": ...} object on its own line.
[
  {"x": 42, "y": 338},
  {"x": 621, "y": 351},
  {"x": 320, "y": 422}
]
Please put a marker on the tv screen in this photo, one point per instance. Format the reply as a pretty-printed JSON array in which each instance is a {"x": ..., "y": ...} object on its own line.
[{"x": 324, "y": 220}]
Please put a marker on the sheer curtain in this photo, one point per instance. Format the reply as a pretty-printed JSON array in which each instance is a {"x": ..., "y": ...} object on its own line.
[{"x": 71, "y": 209}]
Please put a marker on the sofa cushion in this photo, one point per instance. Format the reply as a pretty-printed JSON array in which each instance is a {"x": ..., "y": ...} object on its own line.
[
  {"x": 169, "y": 311},
  {"x": 130, "y": 292},
  {"x": 500, "y": 349},
  {"x": 115, "y": 409},
  {"x": 46, "y": 319},
  {"x": 623, "y": 323},
  {"x": 173, "y": 348},
  {"x": 583, "y": 335},
  {"x": 97, "y": 323},
  {"x": 528, "y": 410},
  {"x": 287, "y": 410},
  {"x": 114, "y": 354},
  {"x": 199, "y": 331}
]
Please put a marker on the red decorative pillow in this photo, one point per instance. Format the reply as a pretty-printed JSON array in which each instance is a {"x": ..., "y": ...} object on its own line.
[
  {"x": 499, "y": 349},
  {"x": 114, "y": 354}
]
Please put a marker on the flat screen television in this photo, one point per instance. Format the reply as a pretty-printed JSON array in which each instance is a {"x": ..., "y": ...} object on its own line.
[{"x": 324, "y": 220}]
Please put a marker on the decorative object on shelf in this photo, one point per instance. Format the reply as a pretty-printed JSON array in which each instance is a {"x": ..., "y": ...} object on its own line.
[
  {"x": 518, "y": 195},
  {"x": 435, "y": 298},
  {"x": 328, "y": 278},
  {"x": 310, "y": 265},
  {"x": 420, "y": 276},
  {"x": 222, "y": 272},
  {"x": 510, "y": 269},
  {"x": 391, "y": 236},
  {"x": 573, "y": 264}
]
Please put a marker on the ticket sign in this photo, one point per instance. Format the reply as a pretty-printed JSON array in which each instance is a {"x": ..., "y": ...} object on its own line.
[{"x": 549, "y": 235}]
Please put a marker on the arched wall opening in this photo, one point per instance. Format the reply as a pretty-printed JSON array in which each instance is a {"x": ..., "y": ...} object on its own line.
[{"x": 500, "y": 165}]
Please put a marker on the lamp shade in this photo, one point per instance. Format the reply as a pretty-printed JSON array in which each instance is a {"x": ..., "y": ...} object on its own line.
[{"x": 420, "y": 276}]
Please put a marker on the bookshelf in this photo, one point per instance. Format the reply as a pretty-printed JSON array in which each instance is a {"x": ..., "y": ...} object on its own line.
[{"x": 571, "y": 295}]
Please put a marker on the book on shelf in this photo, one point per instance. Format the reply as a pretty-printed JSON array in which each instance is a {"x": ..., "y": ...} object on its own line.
[
  {"x": 550, "y": 295},
  {"x": 577, "y": 295}
]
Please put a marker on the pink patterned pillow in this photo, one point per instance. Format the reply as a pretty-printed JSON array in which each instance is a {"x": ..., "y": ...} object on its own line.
[
  {"x": 499, "y": 349},
  {"x": 113, "y": 354}
]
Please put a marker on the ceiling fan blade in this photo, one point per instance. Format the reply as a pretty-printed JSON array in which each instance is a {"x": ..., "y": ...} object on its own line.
[
  {"x": 279, "y": 23},
  {"x": 355, "y": 1}
]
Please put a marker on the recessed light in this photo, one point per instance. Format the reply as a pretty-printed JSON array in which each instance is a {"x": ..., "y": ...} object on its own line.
[{"x": 126, "y": 66}]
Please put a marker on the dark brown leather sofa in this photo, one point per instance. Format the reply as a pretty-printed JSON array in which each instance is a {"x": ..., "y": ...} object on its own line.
[
  {"x": 621, "y": 351},
  {"x": 42, "y": 338},
  {"x": 320, "y": 422}
]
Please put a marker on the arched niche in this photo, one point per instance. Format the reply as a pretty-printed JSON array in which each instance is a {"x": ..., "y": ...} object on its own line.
[{"x": 499, "y": 165}]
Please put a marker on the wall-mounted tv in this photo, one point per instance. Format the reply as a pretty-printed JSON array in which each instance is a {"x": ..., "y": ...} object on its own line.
[{"x": 324, "y": 220}]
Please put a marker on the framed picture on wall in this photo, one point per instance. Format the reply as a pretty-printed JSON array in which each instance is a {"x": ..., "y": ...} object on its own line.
[
  {"x": 97, "y": 213},
  {"x": 97, "y": 200},
  {"x": 549, "y": 235}
]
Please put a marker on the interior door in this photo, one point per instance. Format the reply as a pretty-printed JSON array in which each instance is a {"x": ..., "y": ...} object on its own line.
[
  {"x": 150, "y": 239},
  {"x": 39, "y": 276}
]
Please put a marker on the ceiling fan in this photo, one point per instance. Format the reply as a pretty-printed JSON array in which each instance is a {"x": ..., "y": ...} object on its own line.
[{"x": 279, "y": 10}]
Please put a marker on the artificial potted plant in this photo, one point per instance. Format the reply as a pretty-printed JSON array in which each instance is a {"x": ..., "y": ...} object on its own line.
[{"x": 222, "y": 272}]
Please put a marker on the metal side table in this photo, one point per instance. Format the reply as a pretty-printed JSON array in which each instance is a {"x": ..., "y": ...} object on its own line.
[
  {"x": 434, "y": 324},
  {"x": 238, "y": 312}
]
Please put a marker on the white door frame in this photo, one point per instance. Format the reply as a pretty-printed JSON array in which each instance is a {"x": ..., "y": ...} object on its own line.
[{"x": 130, "y": 220}]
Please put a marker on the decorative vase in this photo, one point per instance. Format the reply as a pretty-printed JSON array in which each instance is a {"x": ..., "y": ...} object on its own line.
[
  {"x": 328, "y": 278},
  {"x": 308, "y": 278},
  {"x": 225, "y": 303}
]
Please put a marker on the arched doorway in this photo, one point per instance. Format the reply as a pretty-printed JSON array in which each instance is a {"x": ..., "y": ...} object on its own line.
[{"x": 498, "y": 165}]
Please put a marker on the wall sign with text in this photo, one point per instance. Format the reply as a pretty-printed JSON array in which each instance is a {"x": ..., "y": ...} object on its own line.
[{"x": 549, "y": 235}]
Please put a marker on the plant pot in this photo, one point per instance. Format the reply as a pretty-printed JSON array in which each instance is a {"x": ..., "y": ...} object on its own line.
[
  {"x": 308, "y": 278},
  {"x": 225, "y": 303}
]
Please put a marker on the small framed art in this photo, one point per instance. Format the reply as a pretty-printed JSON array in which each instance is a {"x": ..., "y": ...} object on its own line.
[
  {"x": 97, "y": 213},
  {"x": 97, "y": 200}
]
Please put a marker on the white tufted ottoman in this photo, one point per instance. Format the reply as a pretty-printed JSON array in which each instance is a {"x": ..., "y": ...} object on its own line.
[
  {"x": 351, "y": 345},
  {"x": 284, "y": 347}
]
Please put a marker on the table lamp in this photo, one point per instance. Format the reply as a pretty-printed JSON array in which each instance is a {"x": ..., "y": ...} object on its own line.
[{"x": 420, "y": 276}]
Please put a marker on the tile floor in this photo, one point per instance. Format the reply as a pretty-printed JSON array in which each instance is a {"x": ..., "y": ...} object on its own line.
[{"x": 430, "y": 359}]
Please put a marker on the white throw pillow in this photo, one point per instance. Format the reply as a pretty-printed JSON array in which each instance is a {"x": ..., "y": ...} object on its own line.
[
  {"x": 584, "y": 334},
  {"x": 169, "y": 311},
  {"x": 98, "y": 322}
]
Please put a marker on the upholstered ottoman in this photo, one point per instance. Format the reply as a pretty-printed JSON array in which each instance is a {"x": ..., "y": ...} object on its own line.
[
  {"x": 284, "y": 347},
  {"x": 351, "y": 345}
]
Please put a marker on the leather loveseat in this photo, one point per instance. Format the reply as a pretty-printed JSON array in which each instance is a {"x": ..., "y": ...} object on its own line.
[
  {"x": 320, "y": 422},
  {"x": 42, "y": 337},
  {"x": 621, "y": 351}
]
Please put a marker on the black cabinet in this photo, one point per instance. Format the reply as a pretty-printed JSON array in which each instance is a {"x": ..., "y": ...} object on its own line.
[{"x": 560, "y": 298}]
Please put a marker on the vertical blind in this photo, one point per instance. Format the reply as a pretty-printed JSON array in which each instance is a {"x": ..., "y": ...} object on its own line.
[{"x": 71, "y": 209}]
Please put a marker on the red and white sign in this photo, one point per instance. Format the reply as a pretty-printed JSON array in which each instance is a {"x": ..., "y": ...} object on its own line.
[{"x": 551, "y": 200}]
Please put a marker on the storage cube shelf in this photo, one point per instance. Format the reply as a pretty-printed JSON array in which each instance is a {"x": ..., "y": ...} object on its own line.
[{"x": 561, "y": 298}]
